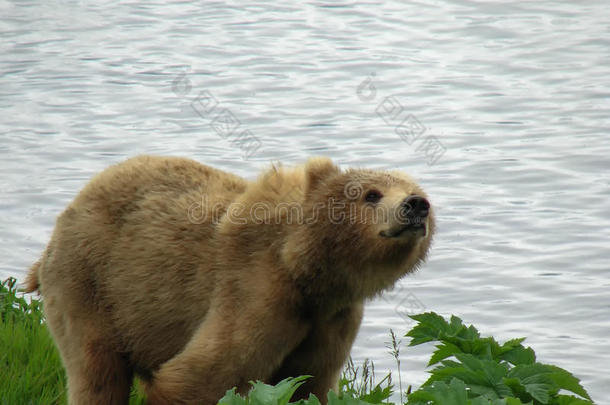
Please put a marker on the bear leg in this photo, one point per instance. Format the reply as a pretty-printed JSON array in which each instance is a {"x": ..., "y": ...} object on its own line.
[
  {"x": 322, "y": 354},
  {"x": 102, "y": 378},
  {"x": 97, "y": 374},
  {"x": 229, "y": 349}
]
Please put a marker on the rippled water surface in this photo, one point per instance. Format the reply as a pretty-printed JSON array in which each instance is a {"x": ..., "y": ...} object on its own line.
[{"x": 505, "y": 108}]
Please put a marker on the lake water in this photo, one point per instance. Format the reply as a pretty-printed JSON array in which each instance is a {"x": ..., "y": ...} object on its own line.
[{"x": 501, "y": 111}]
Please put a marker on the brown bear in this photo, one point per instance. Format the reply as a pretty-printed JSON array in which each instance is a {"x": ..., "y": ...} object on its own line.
[{"x": 196, "y": 280}]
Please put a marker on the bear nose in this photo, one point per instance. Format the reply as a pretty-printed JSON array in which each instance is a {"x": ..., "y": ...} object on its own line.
[{"x": 416, "y": 206}]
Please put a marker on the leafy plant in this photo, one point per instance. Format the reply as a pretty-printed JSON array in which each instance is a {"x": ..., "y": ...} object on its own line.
[
  {"x": 356, "y": 382},
  {"x": 280, "y": 394},
  {"x": 17, "y": 309},
  {"x": 470, "y": 369},
  {"x": 475, "y": 370}
]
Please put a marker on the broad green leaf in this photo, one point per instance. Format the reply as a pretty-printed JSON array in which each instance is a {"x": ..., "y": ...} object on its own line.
[
  {"x": 538, "y": 391},
  {"x": 523, "y": 371},
  {"x": 517, "y": 388},
  {"x": 475, "y": 381},
  {"x": 420, "y": 397},
  {"x": 519, "y": 355},
  {"x": 515, "y": 353},
  {"x": 482, "y": 377},
  {"x": 492, "y": 371},
  {"x": 565, "y": 380},
  {"x": 232, "y": 398},
  {"x": 470, "y": 333},
  {"x": 279, "y": 394},
  {"x": 453, "y": 394},
  {"x": 514, "y": 342},
  {"x": 485, "y": 348},
  {"x": 429, "y": 328},
  {"x": 535, "y": 380},
  {"x": 441, "y": 393},
  {"x": 443, "y": 351},
  {"x": 485, "y": 391},
  {"x": 447, "y": 373},
  {"x": 450, "y": 363}
]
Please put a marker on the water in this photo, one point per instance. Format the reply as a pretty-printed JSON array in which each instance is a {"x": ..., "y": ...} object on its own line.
[{"x": 513, "y": 101}]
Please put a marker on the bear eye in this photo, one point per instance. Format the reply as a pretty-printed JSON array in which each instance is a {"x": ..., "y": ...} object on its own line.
[{"x": 372, "y": 196}]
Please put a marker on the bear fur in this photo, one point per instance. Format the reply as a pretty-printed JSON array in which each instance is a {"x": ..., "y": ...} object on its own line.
[{"x": 196, "y": 280}]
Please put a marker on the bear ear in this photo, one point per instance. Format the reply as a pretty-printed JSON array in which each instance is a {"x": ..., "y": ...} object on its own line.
[{"x": 317, "y": 169}]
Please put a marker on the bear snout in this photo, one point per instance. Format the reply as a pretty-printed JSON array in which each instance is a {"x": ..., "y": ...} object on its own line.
[
  {"x": 415, "y": 207},
  {"x": 411, "y": 218}
]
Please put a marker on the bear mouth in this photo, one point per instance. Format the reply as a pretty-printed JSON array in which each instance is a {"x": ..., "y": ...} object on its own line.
[{"x": 415, "y": 227}]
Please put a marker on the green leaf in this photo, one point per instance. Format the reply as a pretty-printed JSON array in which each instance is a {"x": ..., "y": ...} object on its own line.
[
  {"x": 516, "y": 342},
  {"x": 421, "y": 397},
  {"x": 443, "y": 351},
  {"x": 517, "y": 388},
  {"x": 429, "y": 328},
  {"x": 538, "y": 391},
  {"x": 519, "y": 355},
  {"x": 470, "y": 333},
  {"x": 565, "y": 380},
  {"x": 232, "y": 398},
  {"x": 490, "y": 373},
  {"x": 279, "y": 394},
  {"x": 454, "y": 394},
  {"x": 474, "y": 380},
  {"x": 450, "y": 363},
  {"x": 441, "y": 393},
  {"x": 484, "y": 348},
  {"x": 534, "y": 379},
  {"x": 445, "y": 374}
]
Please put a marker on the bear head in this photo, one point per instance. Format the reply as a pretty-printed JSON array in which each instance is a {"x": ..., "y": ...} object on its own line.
[{"x": 361, "y": 231}]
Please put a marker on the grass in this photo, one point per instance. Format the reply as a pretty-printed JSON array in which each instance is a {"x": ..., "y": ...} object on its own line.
[
  {"x": 469, "y": 369},
  {"x": 30, "y": 367}
]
